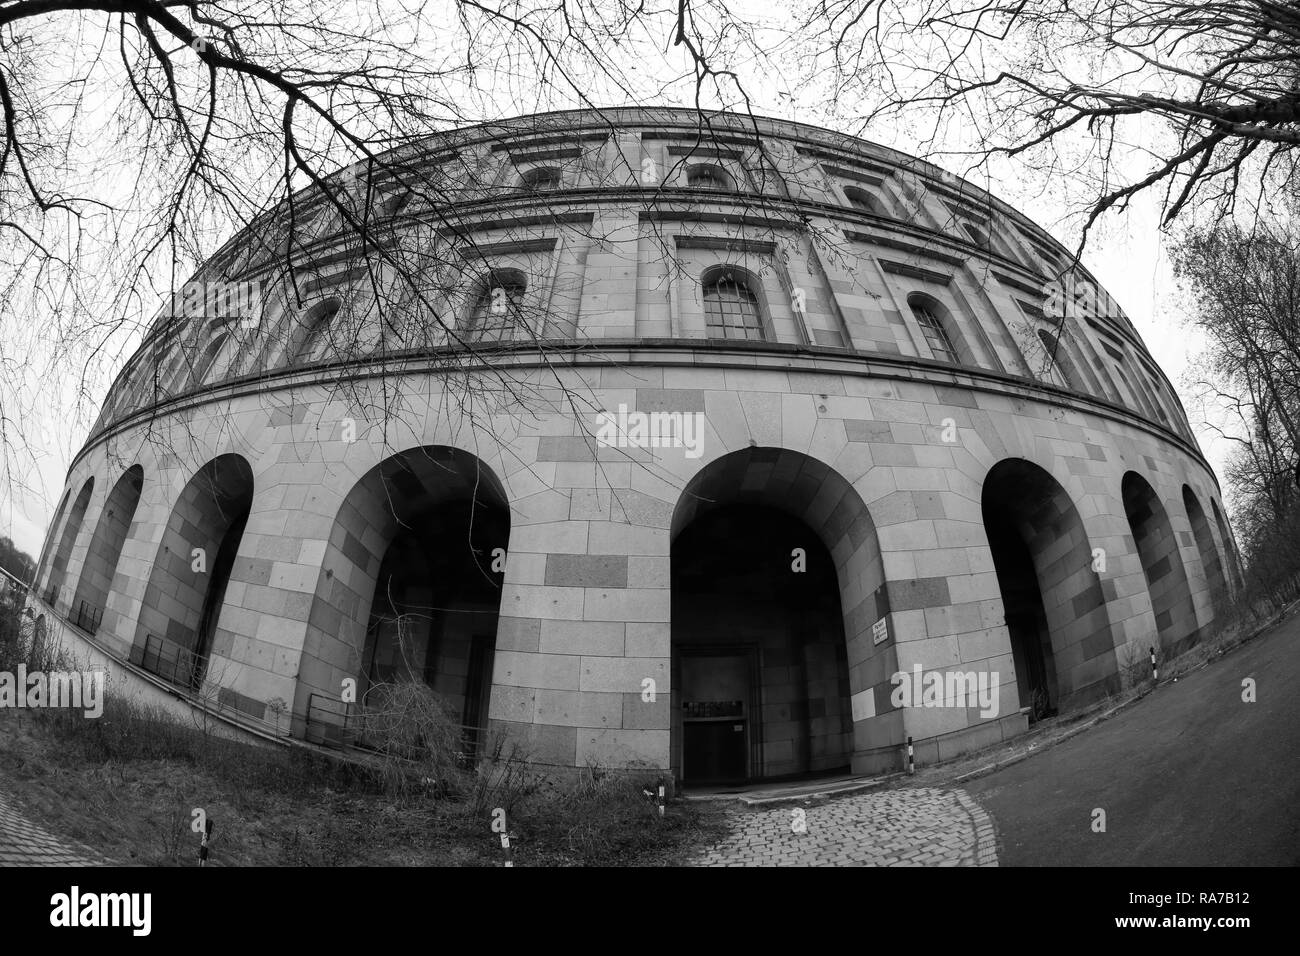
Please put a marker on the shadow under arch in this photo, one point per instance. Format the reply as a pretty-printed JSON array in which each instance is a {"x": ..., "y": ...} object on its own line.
[
  {"x": 1210, "y": 562},
  {"x": 177, "y": 628},
  {"x": 1162, "y": 565},
  {"x": 774, "y": 640},
  {"x": 409, "y": 589},
  {"x": 106, "y": 549},
  {"x": 63, "y": 554},
  {"x": 1055, "y": 604}
]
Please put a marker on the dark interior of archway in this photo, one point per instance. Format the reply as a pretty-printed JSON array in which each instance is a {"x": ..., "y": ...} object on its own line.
[
  {"x": 182, "y": 605},
  {"x": 223, "y": 564},
  {"x": 1031, "y": 645},
  {"x": 756, "y": 646},
  {"x": 1171, "y": 599},
  {"x": 434, "y": 613},
  {"x": 1011, "y": 495},
  {"x": 1205, "y": 547}
]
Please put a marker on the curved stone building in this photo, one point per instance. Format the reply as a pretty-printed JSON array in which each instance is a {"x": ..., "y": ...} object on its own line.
[{"x": 646, "y": 444}]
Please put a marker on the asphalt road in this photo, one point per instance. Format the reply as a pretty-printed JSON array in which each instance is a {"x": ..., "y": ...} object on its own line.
[{"x": 1189, "y": 776}]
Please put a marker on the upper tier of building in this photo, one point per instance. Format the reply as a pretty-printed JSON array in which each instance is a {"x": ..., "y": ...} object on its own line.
[{"x": 648, "y": 228}]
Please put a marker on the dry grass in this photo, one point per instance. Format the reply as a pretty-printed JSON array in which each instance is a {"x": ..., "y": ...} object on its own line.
[{"x": 126, "y": 785}]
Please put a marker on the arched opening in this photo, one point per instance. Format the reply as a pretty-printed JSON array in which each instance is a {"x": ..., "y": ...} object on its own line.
[
  {"x": 776, "y": 581},
  {"x": 307, "y": 341},
  {"x": 862, "y": 200},
  {"x": 178, "y": 627},
  {"x": 42, "y": 567},
  {"x": 1229, "y": 549},
  {"x": 497, "y": 309},
  {"x": 977, "y": 234},
  {"x": 733, "y": 307},
  {"x": 63, "y": 554},
  {"x": 1058, "y": 357},
  {"x": 208, "y": 358},
  {"x": 410, "y": 590},
  {"x": 1054, "y": 602},
  {"x": 1171, "y": 598},
  {"x": 932, "y": 318},
  {"x": 106, "y": 549},
  {"x": 1209, "y": 554},
  {"x": 541, "y": 179},
  {"x": 708, "y": 176}
]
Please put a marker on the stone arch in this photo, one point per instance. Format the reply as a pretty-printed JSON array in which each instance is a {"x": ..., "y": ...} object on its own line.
[
  {"x": 1053, "y": 601},
  {"x": 105, "y": 550},
  {"x": 177, "y": 628},
  {"x": 1205, "y": 547},
  {"x": 1229, "y": 548},
  {"x": 42, "y": 567},
  {"x": 1162, "y": 565},
  {"x": 63, "y": 554},
  {"x": 816, "y": 686},
  {"x": 409, "y": 588}
]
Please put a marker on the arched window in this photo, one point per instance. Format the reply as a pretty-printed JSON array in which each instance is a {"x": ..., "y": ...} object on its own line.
[
  {"x": 708, "y": 176},
  {"x": 977, "y": 235},
  {"x": 395, "y": 203},
  {"x": 542, "y": 179},
  {"x": 498, "y": 305},
  {"x": 731, "y": 307},
  {"x": 1057, "y": 357},
  {"x": 312, "y": 330},
  {"x": 928, "y": 314},
  {"x": 209, "y": 357},
  {"x": 861, "y": 199}
]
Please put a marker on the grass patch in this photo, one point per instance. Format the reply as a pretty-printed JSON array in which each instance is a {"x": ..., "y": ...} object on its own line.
[{"x": 126, "y": 785}]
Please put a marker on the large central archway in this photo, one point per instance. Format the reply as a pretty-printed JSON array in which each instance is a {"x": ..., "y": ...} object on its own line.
[
  {"x": 1053, "y": 599},
  {"x": 410, "y": 590},
  {"x": 776, "y": 581}
]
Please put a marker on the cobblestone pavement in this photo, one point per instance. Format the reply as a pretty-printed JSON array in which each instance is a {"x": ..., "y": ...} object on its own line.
[
  {"x": 907, "y": 827},
  {"x": 23, "y": 843}
]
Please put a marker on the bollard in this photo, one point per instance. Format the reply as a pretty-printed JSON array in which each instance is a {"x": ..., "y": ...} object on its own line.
[
  {"x": 1155, "y": 672},
  {"x": 661, "y": 799},
  {"x": 911, "y": 757},
  {"x": 505, "y": 845}
]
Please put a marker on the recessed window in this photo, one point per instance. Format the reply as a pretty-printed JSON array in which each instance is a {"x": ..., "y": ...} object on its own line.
[
  {"x": 209, "y": 357},
  {"x": 731, "y": 308},
  {"x": 543, "y": 179},
  {"x": 977, "y": 235},
  {"x": 395, "y": 203},
  {"x": 314, "y": 326},
  {"x": 863, "y": 200},
  {"x": 927, "y": 315},
  {"x": 498, "y": 305},
  {"x": 1056, "y": 355},
  {"x": 707, "y": 176}
]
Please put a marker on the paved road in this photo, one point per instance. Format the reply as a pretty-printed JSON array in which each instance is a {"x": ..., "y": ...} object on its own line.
[
  {"x": 1190, "y": 776},
  {"x": 23, "y": 843},
  {"x": 910, "y": 827}
]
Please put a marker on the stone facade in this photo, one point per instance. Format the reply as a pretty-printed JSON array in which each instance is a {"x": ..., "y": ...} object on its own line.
[{"x": 874, "y": 348}]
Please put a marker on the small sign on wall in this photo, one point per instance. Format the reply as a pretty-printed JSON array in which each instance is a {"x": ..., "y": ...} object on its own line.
[{"x": 880, "y": 630}]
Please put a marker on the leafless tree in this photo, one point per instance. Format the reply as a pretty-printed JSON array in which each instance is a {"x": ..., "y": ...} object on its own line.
[{"x": 1196, "y": 99}]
